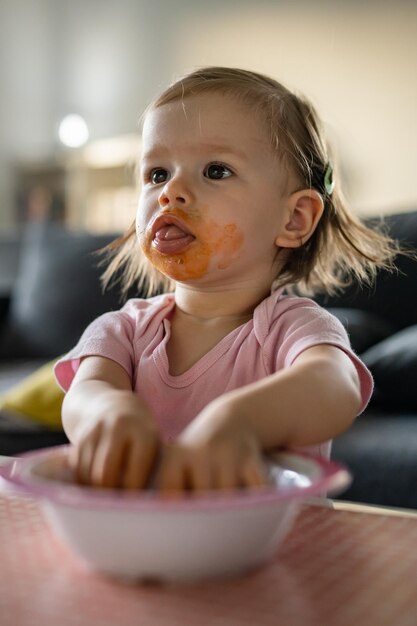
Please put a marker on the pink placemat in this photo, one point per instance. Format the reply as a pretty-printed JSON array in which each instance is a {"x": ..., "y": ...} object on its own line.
[{"x": 336, "y": 568}]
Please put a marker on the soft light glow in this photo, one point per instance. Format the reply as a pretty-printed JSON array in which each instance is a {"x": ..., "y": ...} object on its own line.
[
  {"x": 112, "y": 152},
  {"x": 73, "y": 131}
]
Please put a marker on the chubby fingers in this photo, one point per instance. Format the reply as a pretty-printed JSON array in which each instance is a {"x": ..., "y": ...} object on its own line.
[
  {"x": 140, "y": 461},
  {"x": 171, "y": 475},
  {"x": 103, "y": 459},
  {"x": 184, "y": 469},
  {"x": 82, "y": 456},
  {"x": 108, "y": 463},
  {"x": 253, "y": 473}
]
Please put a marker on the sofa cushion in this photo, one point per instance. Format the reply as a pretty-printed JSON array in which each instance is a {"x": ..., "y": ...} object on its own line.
[
  {"x": 380, "y": 451},
  {"x": 393, "y": 363},
  {"x": 391, "y": 297},
  {"x": 17, "y": 441},
  {"x": 57, "y": 293},
  {"x": 10, "y": 243},
  {"x": 36, "y": 399},
  {"x": 364, "y": 329}
]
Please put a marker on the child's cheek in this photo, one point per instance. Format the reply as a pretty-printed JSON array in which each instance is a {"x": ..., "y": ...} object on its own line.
[{"x": 215, "y": 246}]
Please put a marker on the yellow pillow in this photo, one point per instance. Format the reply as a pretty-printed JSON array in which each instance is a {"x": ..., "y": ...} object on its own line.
[{"x": 37, "y": 398}]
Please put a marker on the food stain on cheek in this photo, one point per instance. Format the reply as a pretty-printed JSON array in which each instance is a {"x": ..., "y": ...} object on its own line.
[
  {"x": 229, "y": 245},
  {"x": 214, "y": 245}
]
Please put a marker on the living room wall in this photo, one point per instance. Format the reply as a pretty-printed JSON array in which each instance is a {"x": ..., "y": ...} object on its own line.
[{"x": 106, "y": 58}]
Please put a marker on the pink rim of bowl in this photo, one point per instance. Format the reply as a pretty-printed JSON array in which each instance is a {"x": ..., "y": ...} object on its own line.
[{"x": 16, "y": 477}]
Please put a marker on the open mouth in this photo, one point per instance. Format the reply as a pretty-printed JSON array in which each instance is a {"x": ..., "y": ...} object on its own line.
[{"x": 170, "y": 235}]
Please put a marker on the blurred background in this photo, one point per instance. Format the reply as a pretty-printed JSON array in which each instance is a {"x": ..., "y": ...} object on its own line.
[{"x": 101, "y": 61}]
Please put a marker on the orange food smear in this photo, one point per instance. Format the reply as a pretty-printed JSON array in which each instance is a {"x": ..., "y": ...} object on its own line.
[{"x": 213, "y": 241}]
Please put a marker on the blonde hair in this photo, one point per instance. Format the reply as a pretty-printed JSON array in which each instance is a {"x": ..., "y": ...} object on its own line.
[{"x": 341, "y": 248}]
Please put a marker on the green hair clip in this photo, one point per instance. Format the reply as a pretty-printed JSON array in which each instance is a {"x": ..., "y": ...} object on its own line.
[{"x": 328, "y": 178}]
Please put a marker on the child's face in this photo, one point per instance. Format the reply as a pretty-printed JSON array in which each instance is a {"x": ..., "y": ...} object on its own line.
[{"x": 212, "y": 201}]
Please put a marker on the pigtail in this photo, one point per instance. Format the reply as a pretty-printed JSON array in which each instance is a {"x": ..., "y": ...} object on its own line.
[{"x": 343, "y": 249}]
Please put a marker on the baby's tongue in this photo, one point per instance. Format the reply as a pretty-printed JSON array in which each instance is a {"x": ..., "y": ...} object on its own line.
[{"x": 170, "y": 231}]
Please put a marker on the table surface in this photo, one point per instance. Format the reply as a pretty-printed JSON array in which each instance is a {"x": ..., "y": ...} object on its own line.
[{"x": 336, "y": 568}]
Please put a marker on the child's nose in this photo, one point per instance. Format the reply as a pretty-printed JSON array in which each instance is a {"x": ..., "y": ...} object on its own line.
[{"x": 174, "y": 193}]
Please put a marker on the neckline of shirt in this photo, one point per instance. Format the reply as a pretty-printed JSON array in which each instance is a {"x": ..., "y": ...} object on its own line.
[{"x": 259, "y": 324}]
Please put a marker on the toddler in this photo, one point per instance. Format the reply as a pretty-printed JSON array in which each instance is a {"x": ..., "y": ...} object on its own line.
[{"x": 240, "y": 217}]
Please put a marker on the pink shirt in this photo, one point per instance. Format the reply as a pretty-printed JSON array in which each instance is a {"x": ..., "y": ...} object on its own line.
[{"x": 136, "y": 338}]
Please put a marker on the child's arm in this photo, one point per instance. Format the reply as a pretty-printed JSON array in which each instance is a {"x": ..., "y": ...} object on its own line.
[
  {"x": 115, "y": 437},
  {"x": 314, "y": 400},
  {"x": 311, "y": 402}
]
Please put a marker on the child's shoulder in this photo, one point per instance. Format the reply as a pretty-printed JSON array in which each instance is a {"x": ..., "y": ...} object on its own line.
[
  {"x": 282, "y": 311},
  {"x": 135, "y": 307},
  {"x": 279, "y": 303}
]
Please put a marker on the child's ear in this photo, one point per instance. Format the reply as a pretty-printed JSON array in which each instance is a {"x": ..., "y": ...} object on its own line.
[{"x": 304, "y": 210}]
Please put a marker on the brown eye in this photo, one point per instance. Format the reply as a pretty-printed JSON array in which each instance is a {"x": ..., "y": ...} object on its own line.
[
  {"x": 217, "y": 171},
  {"x": 158, "y": 176}
]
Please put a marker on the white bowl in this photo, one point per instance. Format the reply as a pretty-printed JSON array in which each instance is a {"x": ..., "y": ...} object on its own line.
[{"x": 144, "y": 536}]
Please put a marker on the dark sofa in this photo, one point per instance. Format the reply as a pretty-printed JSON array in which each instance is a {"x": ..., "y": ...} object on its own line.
[{"x": 49, "y": 291}]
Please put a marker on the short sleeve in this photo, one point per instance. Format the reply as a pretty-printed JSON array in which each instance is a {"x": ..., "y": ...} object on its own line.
[
  {"x": 110, "y": 336},
  {"x": 299, "y": 324}
]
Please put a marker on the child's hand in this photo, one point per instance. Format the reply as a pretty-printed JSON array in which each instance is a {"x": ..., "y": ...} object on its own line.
[
  {"x": 216, "y": 451},
  {"x": 117, "y": 447}
]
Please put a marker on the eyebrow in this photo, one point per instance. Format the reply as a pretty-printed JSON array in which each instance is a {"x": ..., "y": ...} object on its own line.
[
  {"x": 206, "y": 147},
  {"x": 223, "y": 149}
]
